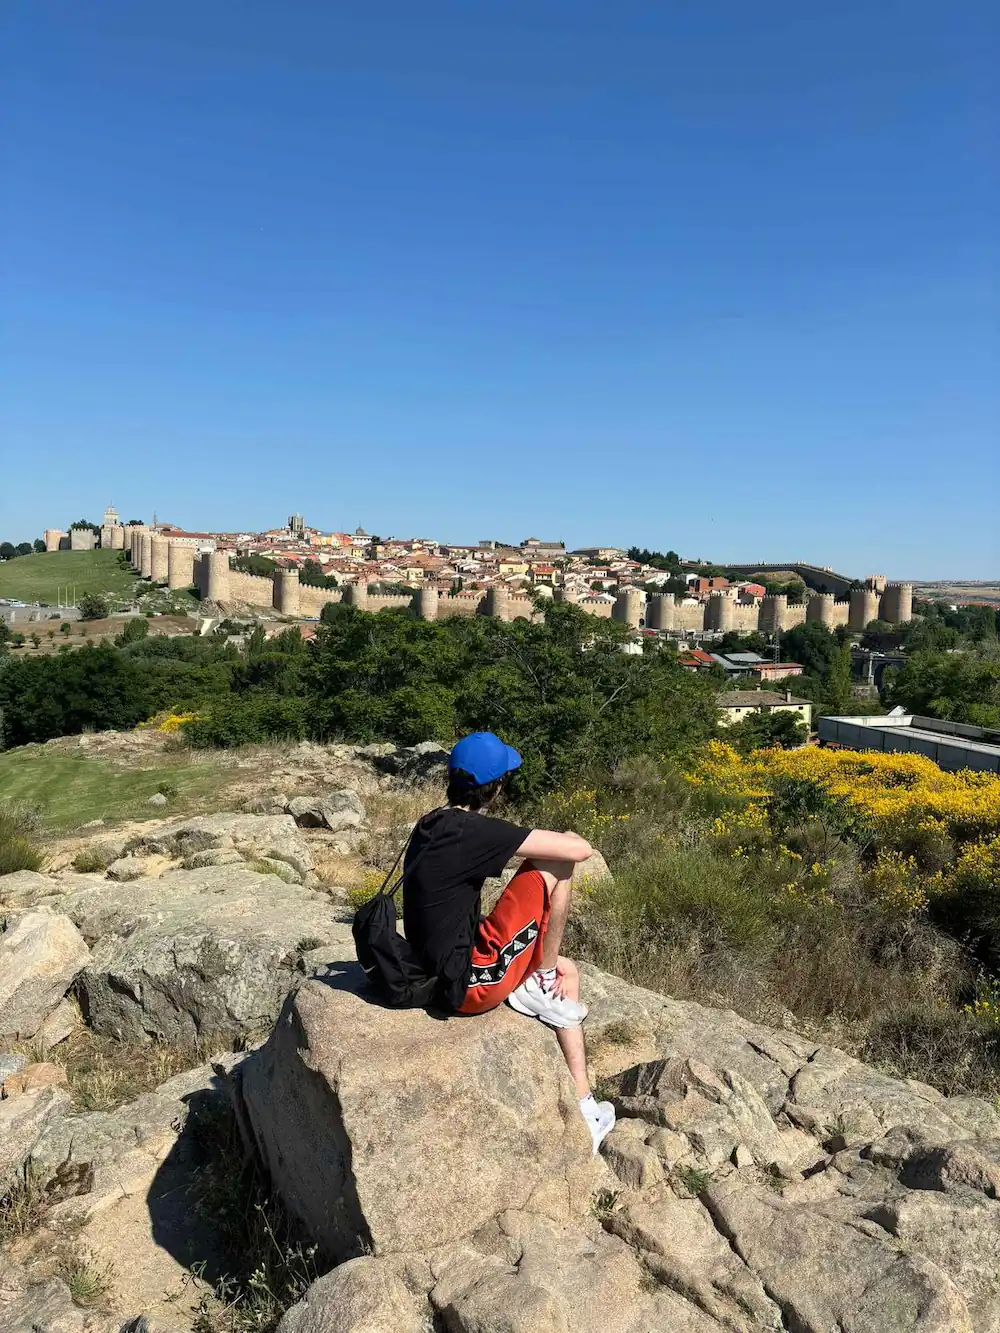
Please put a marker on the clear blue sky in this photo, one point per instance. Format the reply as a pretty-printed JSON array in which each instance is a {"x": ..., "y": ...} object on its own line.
[{"x": 712, "y": 275}]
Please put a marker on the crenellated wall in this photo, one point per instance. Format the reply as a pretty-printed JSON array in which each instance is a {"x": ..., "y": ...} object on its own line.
[{"x": 286, "y": 595}]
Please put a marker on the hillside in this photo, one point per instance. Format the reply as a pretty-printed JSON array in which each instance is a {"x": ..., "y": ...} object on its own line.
[
  {"x": 424, "y": 1174},
  {"x": 45, "y": 577}
]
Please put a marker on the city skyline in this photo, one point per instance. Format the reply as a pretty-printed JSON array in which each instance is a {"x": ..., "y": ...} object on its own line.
[{"x": 723, "y": 282}]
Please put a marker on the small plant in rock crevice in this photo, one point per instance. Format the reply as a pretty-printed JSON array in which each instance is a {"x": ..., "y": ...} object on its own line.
[
  {"x": 693, "y": 1179},
  {"x": 89, "y": 1282}
]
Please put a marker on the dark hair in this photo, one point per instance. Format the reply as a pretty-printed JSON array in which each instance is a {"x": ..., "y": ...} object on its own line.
[{"x": 463, "y": 789}]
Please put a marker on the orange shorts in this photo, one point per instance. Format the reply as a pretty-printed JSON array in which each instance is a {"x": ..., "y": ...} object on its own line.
[{"x": 508, "y": 943}]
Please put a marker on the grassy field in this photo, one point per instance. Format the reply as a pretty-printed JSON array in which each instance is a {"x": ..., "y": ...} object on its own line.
[
  {"x": 40, "y": 578},
  {"x": 71, "y": 790}
]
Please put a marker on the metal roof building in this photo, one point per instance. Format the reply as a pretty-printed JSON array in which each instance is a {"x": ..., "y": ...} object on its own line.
[{"x": 952, "y": 745}]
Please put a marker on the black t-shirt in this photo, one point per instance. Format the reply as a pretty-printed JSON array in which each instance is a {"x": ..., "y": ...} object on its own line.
[{"x": 457, "y": 851}]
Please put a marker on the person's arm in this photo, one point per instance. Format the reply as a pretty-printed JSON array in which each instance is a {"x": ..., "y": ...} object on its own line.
[{"x": 544, "y": 845}]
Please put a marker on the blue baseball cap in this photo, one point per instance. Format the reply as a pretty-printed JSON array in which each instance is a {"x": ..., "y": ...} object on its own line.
[{"x": 484, "y": 757}]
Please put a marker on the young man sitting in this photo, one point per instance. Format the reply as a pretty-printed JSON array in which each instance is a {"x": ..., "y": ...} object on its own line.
[{"x": 512, "y": 954}]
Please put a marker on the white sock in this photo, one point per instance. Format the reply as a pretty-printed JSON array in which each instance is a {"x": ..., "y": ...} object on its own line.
[
  {"x": 546, "y": 977},
  {"x": 588, "y": 1106}
]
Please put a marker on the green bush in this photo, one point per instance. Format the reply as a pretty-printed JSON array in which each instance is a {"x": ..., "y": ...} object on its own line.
[
  {"x": 255, "y": 719},
  {"x": 93, "y": 860}
]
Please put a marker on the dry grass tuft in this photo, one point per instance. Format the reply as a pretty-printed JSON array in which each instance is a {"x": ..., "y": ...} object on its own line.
[
  {"x": 90, "y": 1282},
  {"x": 103, "y": 1073}
]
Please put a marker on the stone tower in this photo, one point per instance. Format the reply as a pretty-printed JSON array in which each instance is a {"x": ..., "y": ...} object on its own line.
[
  {"x": 773, "y": 613},
  {"x": 285, "y": 592},
  {"x": 497, "y": 602},
  {"x": 180, "y": 566},
  {"x": 629, "y": 607},
  {"x": 819, "y": 608},
  {"x": 146, "y": 554},
  {"x": 660, "y": 611},
  {"x": 897, "y": 603},
  {"x": 217, "y": 584},
  {"x": 356, "y": 594},
  {"x": 427, "y": 603},
  {"x": 53, "y": 536},
  {"x": 863, "y": 608},
  {"x": 159, "y": 549},
  {"x": 720, "y": 612}
]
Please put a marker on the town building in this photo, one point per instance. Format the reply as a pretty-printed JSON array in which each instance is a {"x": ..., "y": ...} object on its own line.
[{"x": 738, "y": 704}]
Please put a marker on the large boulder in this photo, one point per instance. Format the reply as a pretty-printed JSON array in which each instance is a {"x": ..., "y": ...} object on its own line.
[
  {"x": 41, "y": 952},
  {"x": 449, "y": 1125},
  {"x": 123, "y": 1184},
  {"x": 198, "y": 954},
  {"x": 335, "y": 811},
  {"x": 361, "y": 1296},
  {"x": 827, "y": 1271}
]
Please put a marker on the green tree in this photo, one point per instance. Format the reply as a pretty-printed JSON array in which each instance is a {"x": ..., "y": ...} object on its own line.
[
  {"x": 760, "y": 731},
  {"x": 813, "y": 645},
  {"x": 92, "y": 606},
  {"x": 8, "y": 551},
  {"x": 838, "y": 681},
  {"x": 954, "y": 686},
  {"x": 312, "y": 576},
  {"x": 733, "y": 641},
  {"x": 96, "y": 687},
  {"x": 24, "y": 548},
  {"x": 135, "y": 629},
  {"x": 85, "y": 523},
  {"x": 38, "y": 546},
  {"x": 260, "y": 565}
]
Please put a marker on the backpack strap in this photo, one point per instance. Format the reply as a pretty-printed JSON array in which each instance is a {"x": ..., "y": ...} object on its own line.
[{"x": 391, "y": 892}]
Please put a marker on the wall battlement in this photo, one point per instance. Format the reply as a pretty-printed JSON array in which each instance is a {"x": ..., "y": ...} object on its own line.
[{"x": 284, "y": 593}]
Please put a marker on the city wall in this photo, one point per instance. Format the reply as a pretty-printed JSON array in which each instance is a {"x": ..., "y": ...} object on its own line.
[{"x": 216, "y": 581}]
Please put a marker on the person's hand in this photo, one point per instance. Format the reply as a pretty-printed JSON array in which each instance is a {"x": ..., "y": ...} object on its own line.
[{"x": 559, "y": 985}]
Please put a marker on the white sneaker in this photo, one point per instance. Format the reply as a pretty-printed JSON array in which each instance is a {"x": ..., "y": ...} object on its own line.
[
  {"x": 534, "y": 1001},
  {"x": 600, "y": 1122}
]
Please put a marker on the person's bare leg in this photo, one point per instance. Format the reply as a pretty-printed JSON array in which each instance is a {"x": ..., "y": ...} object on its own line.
[
  {"x": 571, "y": 1041},
  {"x": 575, "y": 1054},
  {"x": 558, "y": 875}
]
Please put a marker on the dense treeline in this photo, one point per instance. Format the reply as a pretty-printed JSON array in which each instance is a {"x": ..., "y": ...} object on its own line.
[
  {"x": 561, "y": 691},
  {"x": 10, "y": 551}
]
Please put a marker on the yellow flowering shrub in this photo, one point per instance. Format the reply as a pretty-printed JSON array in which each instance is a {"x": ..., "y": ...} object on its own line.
[
  {"x": 578, "y": 812},
  {"x": 985, "y": 1008},
  {"x": 894, "y": 792},
  {"x": 895, "y": 881},
  {"x": 167, "y": 722},
  {"x": 901, "y": 803}
]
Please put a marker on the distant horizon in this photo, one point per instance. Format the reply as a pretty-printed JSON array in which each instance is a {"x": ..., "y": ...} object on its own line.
[{"x": 718, "y": 279}]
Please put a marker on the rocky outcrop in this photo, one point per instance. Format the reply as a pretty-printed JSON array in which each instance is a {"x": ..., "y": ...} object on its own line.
[
  {"x": 454, "y": 1122},
  {"x": 252, "y": 836},
  {"x": 41, "y": 952},
  {"x": 755, "y": 1180},
  {"x": 205, "y": 954}
]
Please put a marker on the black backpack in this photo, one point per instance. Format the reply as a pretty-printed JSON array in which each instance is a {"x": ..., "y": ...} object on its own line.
[{"x": 389, "y": 961}]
